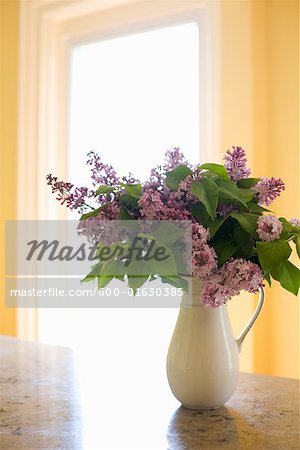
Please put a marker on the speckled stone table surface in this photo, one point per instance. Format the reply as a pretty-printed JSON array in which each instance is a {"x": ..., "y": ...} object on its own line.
[{"x": 49, "y": 401}]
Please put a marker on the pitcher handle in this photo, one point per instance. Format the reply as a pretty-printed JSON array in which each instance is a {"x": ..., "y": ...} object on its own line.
[{"x": 246, "y": 330}]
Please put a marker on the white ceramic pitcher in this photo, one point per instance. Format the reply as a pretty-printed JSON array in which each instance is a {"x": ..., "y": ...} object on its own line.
[{"x": 203, "y": 357}]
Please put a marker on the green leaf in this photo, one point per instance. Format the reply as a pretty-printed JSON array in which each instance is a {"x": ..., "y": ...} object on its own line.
[
  {"x": 104, "y": 280},
  {"x": 128, "y": 201},
  {"x": 93, "y": 274},
  {"x": 287, "y": 228},
  {"x": 230, "y": 192},
  {"x": 124, "y": 215},
  {"x": 247, "y": 221},
  {"x": 136, "y": 281},
  {"x": 112, "y": 268},
  {"x": 207, "y": 192},
  {"x": 180, "y": 261},
  {"x": 154, "y": 277},
  {"x": 93, "y": 213},
  {"x": 288, "y": 276},
  {"x": 297, "y": 242},
  {"x": 151, "y": 263},
  {"x": 215, "y": 225},
  {"x": 216, "y": 168},
  {"x": 224, "y": 249},
  {"x": 211, "y": 175},
  {"x": 120, "y": 277},
  {"x": 247, "y": 194},
  {"x": 271, "y": 254},
  {"x": 175, "y": 176},
  {"x": 243, "y": 241},
  {"x": 255, "y": 208},
  {"x": 248, "y": 183},
  {"x": 199, "y": 212},
  {"x": 268, "y": 279},
  {"x": 135, "y": 190},
  {"x": 177, "y": 282},
  {"x": 104, "y": 190},
  {"x": 166, "y": 268},
  {"x": 109, "y": 268},
  {"x": 168, "y": 233}
]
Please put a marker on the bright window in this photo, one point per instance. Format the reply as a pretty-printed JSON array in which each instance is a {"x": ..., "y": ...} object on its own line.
[{"x": 131, "y": 98}]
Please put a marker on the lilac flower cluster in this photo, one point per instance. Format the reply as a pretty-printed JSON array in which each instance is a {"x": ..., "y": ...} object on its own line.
[
  {"x": 269, "y": 228},
  {"x": 224, "y": 209},
  {"x": 76, "y": 200},
  {"x": 103, "y": 227},
  {"x": 182, "y": 196},
  {"x": 295, "y": 222},
  {"x": 200, "y": 235},
  {"x": 90, "y": 229},
  {"x": 233, "y": 277},
  {"x": 152, "y": 207},
  {"x": 204, "y": 258},
  {"x": 101, "y": 173},
  {"x": 235, "y": 164},
  {"x": 73, "y": 197},
  {"x": 130, "y": 179},
  {"x": 156, "y": 179},
  {"x": 173, "y": 158},
  {"x": 268, "y": 189},
  {"x": 61, "y": 187}
]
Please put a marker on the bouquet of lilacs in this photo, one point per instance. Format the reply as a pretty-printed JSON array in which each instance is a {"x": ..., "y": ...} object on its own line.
[{"x": 236, "y": 242}]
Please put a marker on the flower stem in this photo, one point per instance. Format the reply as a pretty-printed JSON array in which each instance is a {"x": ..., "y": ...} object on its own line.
[{"x": 89, "y": 206}]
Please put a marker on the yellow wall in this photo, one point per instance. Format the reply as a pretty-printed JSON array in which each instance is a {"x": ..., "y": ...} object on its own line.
[
  {"x": 277, "y": 334},
  {"x": 8, "y": 139},
  {"x": 260, "y": 111},
  {"x": 236, "y": 127}
]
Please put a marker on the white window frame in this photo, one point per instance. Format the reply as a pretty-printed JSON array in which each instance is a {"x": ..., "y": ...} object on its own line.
[{"x": 49, "y": 29}]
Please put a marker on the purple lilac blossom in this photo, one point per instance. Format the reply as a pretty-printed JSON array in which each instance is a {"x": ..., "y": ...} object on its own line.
[
  {"x": 103, "y": 227},
  {"x": 110, "y": 212},
  {"x": 175, "y": 214},
  {"x": 156, "y": 179},
  {"x": 101, "y": 174},
  {"x": 195, "y": 239},
  {"x": 268, "y": 189},
  {"x": 235, "y": 164},
  {"x": 174, "y": 158},
  {"x": 152, "y": 207},
  {"x": 73, "y": 197},
  {"x": 224, "y": 209},
  {"x": 182, "y": 196},
  {"x": 269, "y": 228},
  {"x": 130, "y": 179},
  {"x": 58, "y": 186},
  {"x": 204, "y": 261},
  {"x": 78, "y": 197},
  {"x": 233, "y": 277},
  {"x": 204, "y": 258},
  {"x": 90, "y": 228},
  {"x": 200, "y": 235},
  {"x": 295, "y": 222}
]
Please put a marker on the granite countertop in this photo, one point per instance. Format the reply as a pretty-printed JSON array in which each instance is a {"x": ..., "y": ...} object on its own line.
[{"x": 50, "y": 401}]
